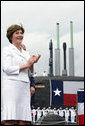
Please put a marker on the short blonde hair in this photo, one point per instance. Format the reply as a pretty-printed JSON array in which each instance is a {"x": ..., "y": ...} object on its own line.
[{"x": 12, "y": 29}]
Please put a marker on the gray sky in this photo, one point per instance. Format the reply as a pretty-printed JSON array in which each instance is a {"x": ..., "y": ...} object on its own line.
[{"x": 39, "y": 19}]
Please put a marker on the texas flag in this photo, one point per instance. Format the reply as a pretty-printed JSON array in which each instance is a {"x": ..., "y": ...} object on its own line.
[
  {"x": 81, "y": 107},
  {"x": 65, "y": 92}
]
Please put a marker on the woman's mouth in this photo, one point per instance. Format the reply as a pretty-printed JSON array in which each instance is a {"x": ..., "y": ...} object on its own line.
[{"x": 19, "y": 38}]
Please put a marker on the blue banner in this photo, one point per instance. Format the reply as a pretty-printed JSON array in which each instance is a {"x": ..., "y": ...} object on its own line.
[{"x": 56, "y": 92}]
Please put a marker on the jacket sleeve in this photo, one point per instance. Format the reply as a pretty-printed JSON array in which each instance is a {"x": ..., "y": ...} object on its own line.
[
  {"x": 7, "y": 62},
  {"x": 32, "y": 81}
]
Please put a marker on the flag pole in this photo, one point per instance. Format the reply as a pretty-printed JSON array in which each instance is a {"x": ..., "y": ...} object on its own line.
[
  {"x": 50, "y": 94},
  {"x": 77, "y": 109}
]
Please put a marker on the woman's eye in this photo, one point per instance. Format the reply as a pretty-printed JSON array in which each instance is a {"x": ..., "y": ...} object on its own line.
[
  {"x": 16, "y": 32},
  {"x": 19, "y": 33}
]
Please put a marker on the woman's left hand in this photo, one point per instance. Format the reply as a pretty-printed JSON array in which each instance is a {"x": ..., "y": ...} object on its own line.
[
  {"x": 36, "y": 58},
  {"x": 32, "y": 90}
]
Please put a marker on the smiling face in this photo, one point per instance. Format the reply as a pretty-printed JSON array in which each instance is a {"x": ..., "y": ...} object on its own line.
[{"x": 17, "y": 37}]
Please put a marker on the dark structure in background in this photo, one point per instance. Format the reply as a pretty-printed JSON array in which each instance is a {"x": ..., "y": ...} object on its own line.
[
  {"x": 42, "y": 95},
  {"x": 64, "y": 72},
  {"x": 51, "y": 119},
  {"x": 51, "y": 59}
]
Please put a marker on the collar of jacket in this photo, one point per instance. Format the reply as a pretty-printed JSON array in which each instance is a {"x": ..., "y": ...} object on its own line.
[{"x": 17, "y": 51}]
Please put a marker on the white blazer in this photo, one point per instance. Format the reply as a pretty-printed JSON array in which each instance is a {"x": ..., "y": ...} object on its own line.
[{"x": 12, "y": 60}]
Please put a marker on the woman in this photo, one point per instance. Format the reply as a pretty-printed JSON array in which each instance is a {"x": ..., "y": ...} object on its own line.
[
  {"x": 32, "y": 81},
  {"x": 16, "y": 83}
]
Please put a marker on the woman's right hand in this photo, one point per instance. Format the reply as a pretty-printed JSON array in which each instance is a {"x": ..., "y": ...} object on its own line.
[{"x": 31, "y": 61}]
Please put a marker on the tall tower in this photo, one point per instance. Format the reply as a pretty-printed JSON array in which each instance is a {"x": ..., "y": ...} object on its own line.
[
  {"x": 71, "y": 52},
  {"x": 51, "y": 59},
  {"x": 57, "y": 54},
  {"x": 64, "y": 71}
]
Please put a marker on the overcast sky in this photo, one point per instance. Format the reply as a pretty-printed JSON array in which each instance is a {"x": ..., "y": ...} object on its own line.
[{"x": 39, "y": 19}]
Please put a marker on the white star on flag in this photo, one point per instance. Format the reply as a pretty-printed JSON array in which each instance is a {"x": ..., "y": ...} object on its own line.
[{"x": 57, "y": 92}]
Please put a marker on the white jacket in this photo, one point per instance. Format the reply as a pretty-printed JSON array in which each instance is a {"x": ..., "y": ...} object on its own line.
[{"x": 12, "y": 60}]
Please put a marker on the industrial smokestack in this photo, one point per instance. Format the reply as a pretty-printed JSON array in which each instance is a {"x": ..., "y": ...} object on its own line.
[
  {"x": 64, "y": 72},
  {"x": 71, "y": 52},
  {"x": 57, "y": 54},
  {"x": 51, "y": 59}
]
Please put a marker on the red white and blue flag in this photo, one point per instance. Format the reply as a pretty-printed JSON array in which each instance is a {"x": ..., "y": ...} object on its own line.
[
  {"x": 81, "y": 107},
  {"x": 65, "y": 92}
]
